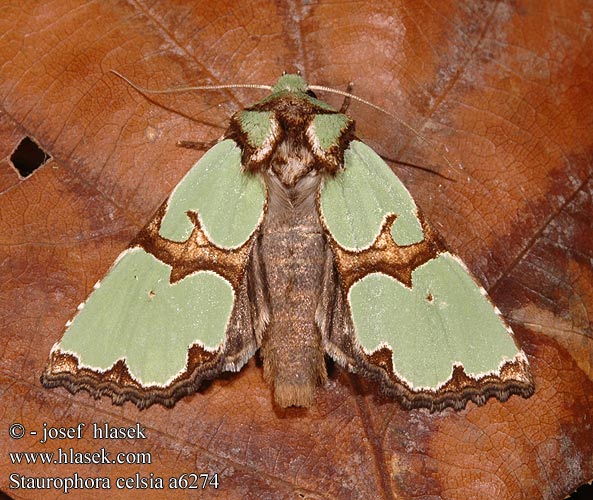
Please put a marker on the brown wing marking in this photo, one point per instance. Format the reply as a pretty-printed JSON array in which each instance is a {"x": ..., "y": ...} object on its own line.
[
  {"x": 384, "y": 255},
  {"x": 197, "y": 253}
]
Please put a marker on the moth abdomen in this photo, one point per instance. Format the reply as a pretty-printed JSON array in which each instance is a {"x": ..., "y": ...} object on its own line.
[{"x": 293, "y": 251}]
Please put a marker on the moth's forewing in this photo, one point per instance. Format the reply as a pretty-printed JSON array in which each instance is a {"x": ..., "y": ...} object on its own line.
[
  {"x": 166, "y": 315},
  {"x": 421, "y": 325}
]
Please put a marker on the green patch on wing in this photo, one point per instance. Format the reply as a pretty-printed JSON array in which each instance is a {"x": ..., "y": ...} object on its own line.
[
  {"x": 228, "y": 201},
  {"x": 442, "y": 320},
  {"x": 137, "y": 315},
  {"x": 355, "y": 201}
]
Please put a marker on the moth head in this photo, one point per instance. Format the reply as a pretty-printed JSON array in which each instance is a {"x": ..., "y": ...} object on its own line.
[{"x": 290, "y": 83}]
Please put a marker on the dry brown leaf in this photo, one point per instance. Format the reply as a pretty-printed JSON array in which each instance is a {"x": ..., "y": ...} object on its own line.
[{"x": 506, "y": 86}]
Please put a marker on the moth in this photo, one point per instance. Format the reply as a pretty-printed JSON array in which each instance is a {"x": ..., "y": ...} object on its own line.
[{"x": 292, "y": 237}]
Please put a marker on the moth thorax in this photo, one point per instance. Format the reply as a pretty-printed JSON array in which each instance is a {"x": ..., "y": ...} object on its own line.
[{"x": 292, "y": 160}]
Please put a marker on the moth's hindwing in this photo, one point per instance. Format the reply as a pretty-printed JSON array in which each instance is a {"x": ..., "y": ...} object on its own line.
[
  {"x": 420, "y": 324},
  {"x": 169, "y": 311}
]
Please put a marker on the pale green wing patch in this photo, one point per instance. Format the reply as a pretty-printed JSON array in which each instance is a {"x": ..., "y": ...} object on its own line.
[
  {"x": 135, "y": 314},
  {"x": 355, "y": 202},
  {"x": 229, "y": 202},
  {"x": 445, "y": 319}
]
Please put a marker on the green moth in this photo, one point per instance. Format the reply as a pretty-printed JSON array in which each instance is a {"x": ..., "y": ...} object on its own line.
[{"x": 292, "y": 237}]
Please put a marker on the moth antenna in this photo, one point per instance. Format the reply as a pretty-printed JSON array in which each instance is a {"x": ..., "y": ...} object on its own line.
[
  {"x": 379, "y": 108},
  {"x": 144, "y": 90},
  {"x": 418, "y": 167}
]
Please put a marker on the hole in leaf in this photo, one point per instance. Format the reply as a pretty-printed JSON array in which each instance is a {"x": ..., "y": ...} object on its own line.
[
  {"x": 585, "y": 492},
  {"x": 28, "y": 157}
]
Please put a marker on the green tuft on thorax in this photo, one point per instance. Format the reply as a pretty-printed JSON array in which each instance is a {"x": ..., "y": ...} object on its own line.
[
  {"x": 296, "y": 85},
  {"x": 290, "y": 83}
]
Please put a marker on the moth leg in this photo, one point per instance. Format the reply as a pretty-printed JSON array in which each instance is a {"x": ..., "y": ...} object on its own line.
[
  {"x": 199, "y": 145},
  {"x": 346, "y": 103}
]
